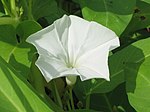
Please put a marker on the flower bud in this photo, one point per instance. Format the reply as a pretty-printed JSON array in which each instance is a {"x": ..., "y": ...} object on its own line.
[{"x": 71, "y": 80}]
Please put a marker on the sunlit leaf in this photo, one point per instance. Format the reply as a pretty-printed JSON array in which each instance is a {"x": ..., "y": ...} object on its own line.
[
  {"x": 14, "y": 49},
  {"x": 16, "y": 95},
  {"x": 138, "y": 78}
]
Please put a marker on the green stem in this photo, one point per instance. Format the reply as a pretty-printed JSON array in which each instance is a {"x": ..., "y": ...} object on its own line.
[
  {"x": 7, "y": 11},
  {"x": 9, "y": 20},
  {"x": 88, "y": 102},
  {"x": 108, "y": 103},
  {"x": 58, "y": 99},
  {"x": 13, "y": 8},
  {"x": 30, "y": 16},
  {"x": 71, "y": 98},
  {"x": 53, "y": 105},
  {"x": 68, "y": 105}
]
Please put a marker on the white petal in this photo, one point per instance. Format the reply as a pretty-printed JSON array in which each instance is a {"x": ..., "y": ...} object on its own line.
[
  {"x": 77, "y": 35},
  {"x": 62, "y": 27},
  {"x": 98, "y": 35},
  {"x": 94, "y": 63},
  {"x": 50, "y": 67},
  {"x": 70, "y": 72},
  {"x": 47, "y": 41},
  {"x": 92, "y": 60}
]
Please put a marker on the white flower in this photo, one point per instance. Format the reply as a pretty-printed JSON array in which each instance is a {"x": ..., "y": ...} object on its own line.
[{"x": 72, "y": 46}]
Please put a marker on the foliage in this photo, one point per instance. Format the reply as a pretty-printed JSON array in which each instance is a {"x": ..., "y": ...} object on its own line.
[{"x": 22, "y": 87}]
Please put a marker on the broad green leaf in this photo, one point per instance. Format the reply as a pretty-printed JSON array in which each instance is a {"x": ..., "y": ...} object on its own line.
[
  {"x": 100, "y": 102},
  {"x": 55, "y": 16},
  {"x": 16, "y": 95},
  {"x": 14, "y": 49},
  {"x": 114, "y": 14},
  {"x": 138, "y": 78},
  {"x": 141, "y": 17},
  {"x": 111, "y": 101},
  {"x": 26, "y": 28},
  {"x": 45, "y": 8}
]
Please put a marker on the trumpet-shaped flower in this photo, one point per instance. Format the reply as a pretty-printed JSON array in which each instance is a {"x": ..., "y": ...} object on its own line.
[{"x": 72, "y": 46}]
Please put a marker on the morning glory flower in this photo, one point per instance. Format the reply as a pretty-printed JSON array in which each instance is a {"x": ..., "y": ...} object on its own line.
[{"x": 72, "y": 46}]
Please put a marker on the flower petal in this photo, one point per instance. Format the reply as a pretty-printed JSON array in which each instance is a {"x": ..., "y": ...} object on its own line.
[
  {"x": 94, "y": 63},
  {"x": 98, "y": 35},
  {"x": 47, "y": 41},
  {"x": 50, "y": 67},
  {"x": 62, "y": 27},
  {"x": 77, "y": 35}
]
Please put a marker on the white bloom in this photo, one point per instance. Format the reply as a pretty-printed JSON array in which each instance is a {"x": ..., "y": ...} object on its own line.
[{"x": 74, "y": 46}]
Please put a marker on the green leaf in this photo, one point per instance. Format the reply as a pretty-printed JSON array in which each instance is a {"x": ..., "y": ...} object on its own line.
[
  {"x": 114, "y": 14},
  {"x": 112, "y": 101},
  {"x": 141, "y": 17},
  {"x": 148, "y": 1},
  {"x": 1, "y": 8},
  {"x": 44, "y": 8},
  {"x": 119, "y": 93},
  {"x": 16, "y": 95},
  {"x": 14, "y": 49},
  {"x": 1, "y": 14},
  {"x": 138, "y": 78},
  {"x": 26, "y": 28}
]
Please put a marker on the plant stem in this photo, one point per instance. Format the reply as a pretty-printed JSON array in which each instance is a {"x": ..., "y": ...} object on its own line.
[
  {"x": 7, "y": 11},
  {"x": 68, "y": 105},
  {"x": 53, "y": 105},
  {"x": 9, "y": 20},
  {"x": 58, "y": 99},
  {"x": 88, "y": 102},
  {"x": 13, "y": 8},
  {"x": 108, "y": 103},
  {"x": 71, "y": 98},
  {"x": 30, "y": 16}
]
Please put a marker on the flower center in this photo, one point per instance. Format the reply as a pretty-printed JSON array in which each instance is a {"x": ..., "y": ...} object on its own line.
[{"x": 70, "y": 65}]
